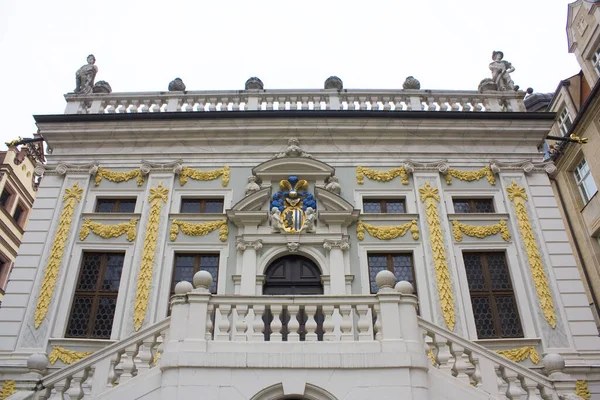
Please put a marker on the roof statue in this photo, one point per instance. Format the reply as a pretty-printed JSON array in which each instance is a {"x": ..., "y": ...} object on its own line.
[
  {"x": 293, "y": 150},
  {"x": 501, "y": 80},
  {"x": 84, "y": 77}
]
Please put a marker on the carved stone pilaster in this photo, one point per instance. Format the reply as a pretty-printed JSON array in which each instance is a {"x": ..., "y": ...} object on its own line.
[
  {"x": 242, "y": 245},
  {"x": 343, "y": 244}
]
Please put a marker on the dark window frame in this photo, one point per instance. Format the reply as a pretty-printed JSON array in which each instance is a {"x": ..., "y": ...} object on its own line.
[
  {"x": 202, "y": 201},
  {"x": 10, "y": 199},
  {"x": 22, "y": 217},
  {"x": 197, "y": 267},
  {"x": 95, "y": 295},
  {"x": 383, "y": 202},
  {"x": 472, "y": 207},
  {"x": 390, "y": 265},
  {"x": 117, "y": 202},
  {"x": 492, "y": 293}
]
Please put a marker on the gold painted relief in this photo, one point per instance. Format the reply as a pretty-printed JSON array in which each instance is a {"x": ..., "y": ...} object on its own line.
[
  {"x": 119, "y": 177},
  {"x": 387, "y": 232},
  {"x": 470, "y": 176},
  {"x": 66, "y": 356},
  {"x": 199, "y": 229},
  {"x": 479, "y": 231},
  {"x": 108, "y": 231},
  {"x": 198, "y": 175},
  {"x": 8, "y": 389},
  {"x": 381, "y": 176},
  {"x": 521, "y": 354}
]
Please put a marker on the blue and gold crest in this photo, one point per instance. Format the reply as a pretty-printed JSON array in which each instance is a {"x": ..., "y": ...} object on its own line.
[{"x": 292, "y": 201}]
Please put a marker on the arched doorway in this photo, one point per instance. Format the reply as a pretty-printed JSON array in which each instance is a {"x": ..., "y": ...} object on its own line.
[{"x": 293, "y": 275}]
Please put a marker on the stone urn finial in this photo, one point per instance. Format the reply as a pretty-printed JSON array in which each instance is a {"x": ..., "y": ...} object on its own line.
[
  {"x": 333, "y": 82},
  {"x": 411, "y": 83},
  {"x": 254, "y": 83},
  {"x": 176, "y": 85},
  {"x": 102, "y": 87}
]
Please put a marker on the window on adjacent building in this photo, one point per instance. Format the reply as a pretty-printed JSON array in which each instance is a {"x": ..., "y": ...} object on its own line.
[
  {"x": 186, "y": 265},
  {"x": 385, "y": 206},
  {"x": 95, "y": 300},
  {"x": 564, "y": 121},
  {"x": 492, "y": 296},
  {"x": 19, "y": 215},
  {"x": 401, "y": 264},
  {"x": 585, "y": 181},
  {"x": 116, "y": 205},
  {"x": 208, "y": 206},
  {"x": 5, "y": 266},
  {"x": 4, "y": 198},
  {"x": 596, "y": 61},
  {"x": 473, "y": 205}
]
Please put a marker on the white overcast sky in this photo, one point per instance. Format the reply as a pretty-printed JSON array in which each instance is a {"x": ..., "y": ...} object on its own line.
[{"x": 142, "y": 45}]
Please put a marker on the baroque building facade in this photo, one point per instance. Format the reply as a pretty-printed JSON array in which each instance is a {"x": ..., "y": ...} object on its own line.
[{"x": 310, "y": 244}]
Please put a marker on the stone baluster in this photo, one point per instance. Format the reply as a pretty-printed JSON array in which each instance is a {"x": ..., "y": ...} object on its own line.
[
  {"x": 269, "y": 101},
  {"x": 276, "y": 324},
  {"x": 530, "y": 388},
  {"x": 113, "y": 371},
  {"x": 209, "y": 321},
  {"x": 60, "y": 389},
  {"x": 281, "y": 102},
  {"x": 75, "y": 391},
  {"x": 212, "y": 104},
  {"x": 386, "y": 101},
  {"x": 475, "y": 372},
  {"x": 144, "y": 359},
  {"x": 311, "y": 323},
  {"x": 87, "y": 384},
  {"x": 110, "y": 108},
  {"x": 328, "y": 324},
  {"x": 442, "y": 355},
  {"x": 316, "y": 103},
  {"x": 502, "y": 384},
  {"x": 235, "y": 103},
  {"x": 133, "y": 108},
  {"x": 145, "y": 106},
  {"x": 454, "y": 104},
  {"x": 249, "y": 249},
  {"x": 241, "y": 326},
  {"x": 222, "y": 323},
  {"x": 127, "y": 363},
  {"x": 364, "y": 322},
  {"x": 293, "y": 102},
  {"x": 293, "y": 324},
  {"x": 258, "y": 325},
  {"x": 513, "y": 391},
  {"x": 347, "y": 335},
  {"x": 460, "y": 367},
  {"x": 374, "y": 100},
  {"x": 377, "y": 325},
  {"x": 362, "y": 103}
]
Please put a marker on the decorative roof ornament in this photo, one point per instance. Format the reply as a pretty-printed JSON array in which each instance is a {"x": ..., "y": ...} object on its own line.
[
  {"x": 333, "y": 82},
  {"x": 84, "y": 77},
  {"x": 411, "y": 83},
  {"x": 176, "y": 85},
  {"x": 501, "y": 70},
  {"x": 293, "y": 150},
  {"x": 293, "y": 208},
  {"x": 252, "y": 185},
  {"x": 254, "y": 83},
  {"x": 102, "y": 87}
]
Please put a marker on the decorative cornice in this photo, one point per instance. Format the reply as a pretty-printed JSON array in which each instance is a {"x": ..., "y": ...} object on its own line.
[
  {"x": 109, "y": 231},
  {"x": 187, "y": 172},
  {"x": 518, "y": 196},
  {"x": 343, "y": 244},
  {"x": 521, "y": 354},
  {"x": 526, "y": 166},
  {"x": 242, "y": 245},
  {"x": 199, "y": 229},
  {"x": 479, "y": 231},
  {"x": 66, "y": 356},
  {"x": 62, "y": 169},
  {"x": 387, "y": 232}
]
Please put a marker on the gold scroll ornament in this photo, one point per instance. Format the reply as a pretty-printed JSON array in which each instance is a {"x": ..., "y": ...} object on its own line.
[
  {"x": 470, "y": 176},
  {"x": 430, "y": 197},
  {"x": 521, "y": 354},
  {"x": 157, "y": 197},
  {"x": 199, "y": 229},
  {"x": 198, "y": 175},
  {"x": 480, "y": 231},
  {"x": 381, "y": 176},
  {"x": 8, "y": 389},
  {"x": 71, "y": 197},
  {"x": 387, "y": 232},
  {"x": 66, "y": 356},
  {"x": 517, "y": 195},
  {"x": 119, "y": 177},
  {"x": 109, "y": 231},
  {"x": 582, "y": 390}
]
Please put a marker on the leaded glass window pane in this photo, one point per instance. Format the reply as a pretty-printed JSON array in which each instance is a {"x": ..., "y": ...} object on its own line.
[
  {"x": 399, "y": 263},
  {"x": 384, "y": 206},
  {"x": 186, "y": 265}
]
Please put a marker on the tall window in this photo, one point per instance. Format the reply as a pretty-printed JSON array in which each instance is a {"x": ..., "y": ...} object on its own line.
[
  {"x": 401, "y": 264},
  {"x": 95, "y": 298},
  {"x": 564, "y": 121},
  {"x": 4, "y": 198},
  {"x": 186, "y": 265},
  {"x": 473, "y": 205},
  {"x": 115, "y": 205},
  {"x": 585, "y": 181},
  {"x": 596, "y": 61},
  {"x": 492, "y": 296},
  {"x": 208, "y": 206},
  {"x": 385, "y": 206}
]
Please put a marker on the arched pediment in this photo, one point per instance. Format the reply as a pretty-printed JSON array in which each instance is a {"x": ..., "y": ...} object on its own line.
[
  {"x": 335, "y": 209},
  {"x": 280, "y": 168},
  {"x": 248, "y": 211}
]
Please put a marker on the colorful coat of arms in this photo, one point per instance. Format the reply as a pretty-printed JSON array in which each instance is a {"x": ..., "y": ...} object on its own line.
[{"x": 293, "y": 207}]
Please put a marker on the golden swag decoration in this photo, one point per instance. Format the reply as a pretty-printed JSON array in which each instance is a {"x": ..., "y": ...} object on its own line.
[
  {"x": 108, "y": 231},
  {"x": 431, "y": 357},
  {"x": 517, "y": 195},
  {"x": 8, "y": 389},
  {"x": 521, "y": 354},
  {"x": 582, "y": 390},
  {"x": 470, "y": 176},
  {"x": 66, "y": 356},
  {"x": 71, "y": 197},
  {"x": 198, "y": 175},
  {"x": 119, "y": 177},
  {"x": 157, "y": 197},
  {"x": 199, "y": 229},
  {"x": 479, "y": 231},
  {"x": 156, "y": 357},
  {"x": 387, "y": 232},
  {"x": 431, "y": 198},
  {"x": 381, "y": 176}
]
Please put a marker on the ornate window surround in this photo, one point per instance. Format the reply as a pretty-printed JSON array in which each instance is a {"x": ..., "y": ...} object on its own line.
[
  {"x": 93, "y": 194},
  {"x": 408, "y": 194},
  {"x": 495, "y": 194},
  {"x": 199, "y": 193}
]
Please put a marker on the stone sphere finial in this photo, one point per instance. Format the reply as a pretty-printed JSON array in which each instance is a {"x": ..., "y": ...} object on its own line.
[
  {"x": 333, "y": 82},
  {"x": 183, "y": 287},
  {"x": 411, "y": 83},
  {"x": 176, "y": 85},
  {"x": 385, "y": 279},
  {"x": 37, "y": 362},
  {"x": 102, "y": 87},
  {"x": 254, "y": 83},
  {"x": 404, "y": 287},
  {"x": 202, "y": 280},
  {"x": 553, "y": 363}
]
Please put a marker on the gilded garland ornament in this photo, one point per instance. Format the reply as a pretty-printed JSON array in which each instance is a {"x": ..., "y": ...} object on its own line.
[
  {"x": 157, "y": 197},
  {"x": 430, "y": 197},
  {"x": 119, "y": 177},
  {"x": 8, "y": 389},
  {"x": 66, "y": 356},
  {"x": 582, "y": 390},
  {"x": 479, "y": 231},
  {"x": 431, "y": 357},
  {"x": 521, "y": 354},
  {"x": 199, "y": 229},
  {"x": 387, "y": 232},
  {"x": 470, "y": 176},
  {"x": 198, "y": 175},
  {"x": 517, "y": 195},
  {"x": 381, "y": 176},
  {"x": 108, "y": 231},
  {"x": 71, "y": 197}
]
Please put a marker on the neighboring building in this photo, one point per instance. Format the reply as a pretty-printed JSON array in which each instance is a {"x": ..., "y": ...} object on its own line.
[{"x": 18, "y": 187}]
